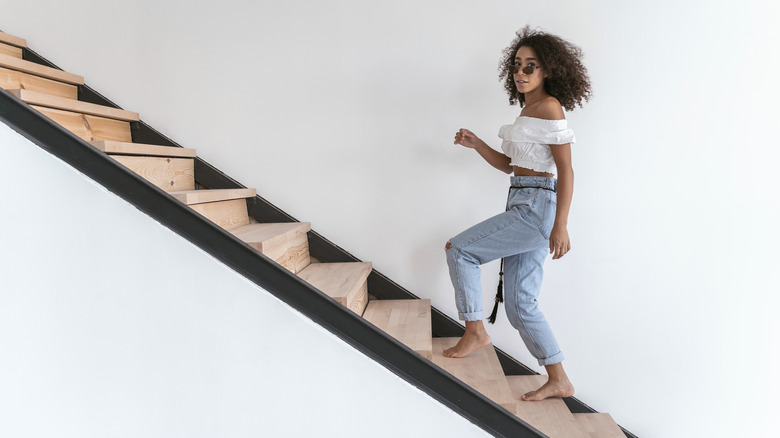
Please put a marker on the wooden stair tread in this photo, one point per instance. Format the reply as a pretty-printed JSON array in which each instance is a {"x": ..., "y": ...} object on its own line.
[
  {"x": 76, "y": 106},
  {"x": 344, "y": 282},
  {"x": 409, "y": 321},
  {"x": 481, "y": 370},
  {"x": 124, "y": 148},
  {"x": 12, "y": 40},
  {"x": 191, "y": 197},
  {"x": 13, "y": 79},
  {"x": 13, "y": 63},
  {"x": 260, "y": 233},
  {"x": 285, "y": 243},
  {"x": 599, "y": 426},
  {"x": 89, "y": 127},
  {"x": 550, "y": 416}
]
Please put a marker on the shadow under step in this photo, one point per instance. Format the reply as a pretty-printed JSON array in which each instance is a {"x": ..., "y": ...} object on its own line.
[
  {"x": 408, "y": 321},
  {"x": 285, "y": 243},
  {"x": 344, "y": 282},
  {"x": 481, "y": 370},
  {"x": 550, "y": 416}
]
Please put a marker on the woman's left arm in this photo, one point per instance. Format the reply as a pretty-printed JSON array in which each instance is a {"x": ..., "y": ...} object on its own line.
[{"x": 559, "y": 236}]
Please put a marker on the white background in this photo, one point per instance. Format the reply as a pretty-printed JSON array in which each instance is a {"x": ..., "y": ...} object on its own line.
[{"x": 342, "y": 113}]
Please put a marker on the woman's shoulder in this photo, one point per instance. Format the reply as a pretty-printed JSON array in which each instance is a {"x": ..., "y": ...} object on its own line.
[{"x": 548, "y": 109}]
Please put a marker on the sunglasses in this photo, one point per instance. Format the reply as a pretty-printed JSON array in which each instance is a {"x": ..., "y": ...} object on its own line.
[{"x": 527, "y": 70}]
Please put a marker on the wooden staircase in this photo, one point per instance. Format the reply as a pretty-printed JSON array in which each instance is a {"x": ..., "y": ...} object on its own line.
[{"x": 54, "y": 93}]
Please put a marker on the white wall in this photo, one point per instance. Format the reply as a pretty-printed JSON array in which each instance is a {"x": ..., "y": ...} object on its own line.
[
  {"x": 113, "y": 325},
  {"x": 342, "y": 113}
]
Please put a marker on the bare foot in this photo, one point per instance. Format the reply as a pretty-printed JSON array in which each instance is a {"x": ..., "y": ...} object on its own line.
[
  {"x": 553, "y": 388},
  {"x": 468, "y": 343}
]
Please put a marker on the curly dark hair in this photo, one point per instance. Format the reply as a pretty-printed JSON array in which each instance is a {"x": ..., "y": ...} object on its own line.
[{"x": 567, "y": 78}]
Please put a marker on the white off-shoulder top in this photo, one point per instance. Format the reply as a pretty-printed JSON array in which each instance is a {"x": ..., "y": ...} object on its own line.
[{"x": 527, "y": 142}]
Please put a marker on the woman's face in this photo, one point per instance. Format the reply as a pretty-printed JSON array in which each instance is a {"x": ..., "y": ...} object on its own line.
[{"x": 527, "y": 82}]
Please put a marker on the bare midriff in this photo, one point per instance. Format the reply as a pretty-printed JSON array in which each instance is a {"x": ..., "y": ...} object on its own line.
[{"x": 522, "y": 171}]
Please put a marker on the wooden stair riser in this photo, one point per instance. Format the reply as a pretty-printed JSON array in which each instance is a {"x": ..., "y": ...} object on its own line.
[
  {"x": 347, "y": 283},
  {"x": 285, "y": 243},
  {"x": 43, "y": 71},
  {"x": 76, "y": 106},
  {"x": 89, "y": 127},
  {"x": 290, "y": 251},
  {"x": 481, "y": 370},
  {"x": 9, "y": 50},
  {"x": 169, "y": 174},
  {"x": 408, "y": 321},
  {"x": 12, "y": 79},
  {"x": 227, "y": 214}
]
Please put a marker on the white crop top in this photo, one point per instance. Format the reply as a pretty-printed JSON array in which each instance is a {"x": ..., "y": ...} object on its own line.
[{"x": 527, "y": 142}]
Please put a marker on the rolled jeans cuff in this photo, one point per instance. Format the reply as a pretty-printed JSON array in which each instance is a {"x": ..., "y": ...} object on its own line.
[
  {"x": 471, "y": 316},
  {"x": 552, "y": 360}
]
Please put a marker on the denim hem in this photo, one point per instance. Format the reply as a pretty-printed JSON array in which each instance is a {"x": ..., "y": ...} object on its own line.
[
  {"x": 471, "y": 316},
  {"x": 552, "y": 360}
]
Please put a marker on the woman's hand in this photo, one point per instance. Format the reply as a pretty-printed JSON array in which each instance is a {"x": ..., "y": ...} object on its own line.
[
  {"x": 466, "y": 138},
  {"x": 559, "y": 241}
]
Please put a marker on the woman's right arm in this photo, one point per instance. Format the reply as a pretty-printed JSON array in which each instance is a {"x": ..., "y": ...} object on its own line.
[{"x": 496, "y": 159}]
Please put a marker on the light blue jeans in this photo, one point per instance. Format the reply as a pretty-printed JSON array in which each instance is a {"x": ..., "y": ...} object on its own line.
[{"x": 521, "y": 236}]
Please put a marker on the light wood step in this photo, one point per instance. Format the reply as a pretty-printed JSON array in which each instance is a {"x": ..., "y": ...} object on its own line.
[
  {"x": 409, "y": 321},
  {"x": 599, "y": 426},
  {"x": 191, "y": 197},
  {"x": 12, "y": 79},
  {"x": 150, "y": 150},
  {"x": 7, "y": 38},
  {"x": 169, "y": 174},
  {"x": 89, "y": 127},
  {"x": 7, "y": 49},
  {"x": 224, "y": 207},
  {"x": 43, "y": 71},
  {"x": 344, "y": 282},
  {"x": 285, "y": 243},
  {"x": 550, "y": 416},
  {"x": 76, "y": 106},
  {"x": 481, "y": 370}
]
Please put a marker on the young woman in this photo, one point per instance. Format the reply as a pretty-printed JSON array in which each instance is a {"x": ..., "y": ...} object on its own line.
[{"x": 543, "y": 74}]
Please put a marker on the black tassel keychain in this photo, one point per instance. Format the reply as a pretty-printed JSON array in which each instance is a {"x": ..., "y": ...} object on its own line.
[{"x": 499, "y": 294}]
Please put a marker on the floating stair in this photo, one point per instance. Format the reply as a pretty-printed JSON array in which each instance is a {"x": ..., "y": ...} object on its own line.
[
  {"x": 284, "y": 243},
  {"x": 344, "y": 282},
  {"x": 409, "y": 321},
  {"x": 481, "y": 370},
  {"x": 54, "y": 93}
]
